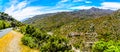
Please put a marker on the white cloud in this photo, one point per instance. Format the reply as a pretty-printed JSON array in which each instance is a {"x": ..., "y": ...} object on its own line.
[
  {"x": 26, "y": 12},
  {"x": 88, "y": 2},
  {"x": 20, "y": 11},
  {"x": 110, "y": 5},
  {"x": 82, "y": 7},
  {"x": 63, "y": 0},
  {"x": 85, "y": 1},
  {"x": 77, "y": 0},
  {"x": 104, "y": 5},
  {"x": 21, "y": 5}
]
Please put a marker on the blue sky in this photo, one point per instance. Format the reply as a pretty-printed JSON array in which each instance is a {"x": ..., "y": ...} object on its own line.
[{"x": 21, "y": 9}]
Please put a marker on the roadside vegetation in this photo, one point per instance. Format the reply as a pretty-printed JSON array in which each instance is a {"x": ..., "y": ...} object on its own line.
[
  {"x": 4, "y": 24},
  {"x": 7, "y": 21},
  {"x": 34, "y": 38}
]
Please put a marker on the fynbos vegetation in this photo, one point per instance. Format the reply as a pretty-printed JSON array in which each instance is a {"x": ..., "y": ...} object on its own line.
[{"x": 97, "y": 33}]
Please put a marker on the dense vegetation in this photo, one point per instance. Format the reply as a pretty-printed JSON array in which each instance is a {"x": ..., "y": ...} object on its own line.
[
  {"x": 86, "y": 33},
  {"x": 34, "y": 38},
  {"x": 4, "y": 24},
  {"x": 110, "y": 46},
  {"x": 104, "y": 28}
]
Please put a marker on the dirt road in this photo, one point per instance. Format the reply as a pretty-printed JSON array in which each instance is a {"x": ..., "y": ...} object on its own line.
[
  {"x": 11, "y": 42},
  {"x": 14, "y": 46}
]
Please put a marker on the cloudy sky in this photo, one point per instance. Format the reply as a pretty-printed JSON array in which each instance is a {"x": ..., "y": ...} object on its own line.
[{"x": 22, "y": 9}]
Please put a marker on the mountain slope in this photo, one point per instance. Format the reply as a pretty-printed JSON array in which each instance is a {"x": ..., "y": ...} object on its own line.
[
  {"x": 30, "y": 20},
  {"x": 83, "y": 33},
  {"x": 56, "y": 20}
]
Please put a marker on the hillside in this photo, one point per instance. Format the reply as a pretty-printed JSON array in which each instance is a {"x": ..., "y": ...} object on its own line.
[
  {"x": 7, "y": 21},
  {"x": 85, "y": 33},
  {"x": 56, "y": 20},
  {"x": 98, "y": 33},
  {"x": 30, "y": 20}
]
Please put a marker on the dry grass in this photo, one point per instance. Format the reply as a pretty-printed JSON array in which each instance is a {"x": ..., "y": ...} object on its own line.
[
  {"x": 27, "y": 49},
  {"x": 6, "y": 40}
]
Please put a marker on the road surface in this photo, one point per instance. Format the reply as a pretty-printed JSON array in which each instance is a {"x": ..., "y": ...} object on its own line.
[{"x": 4, "y": 32}]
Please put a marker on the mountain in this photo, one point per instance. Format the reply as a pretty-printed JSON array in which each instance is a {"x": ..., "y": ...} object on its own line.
[
  {"x": 94, "y": 29},
  {"x": 55, "y": 20},
  {"x": 93, "y": 12},
  {"x": 29, "y": 20}
]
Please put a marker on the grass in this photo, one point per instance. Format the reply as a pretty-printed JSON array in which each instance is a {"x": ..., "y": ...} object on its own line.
[
  {"x": 5, "y": 40},
  {"x": 27, "y": 49}
]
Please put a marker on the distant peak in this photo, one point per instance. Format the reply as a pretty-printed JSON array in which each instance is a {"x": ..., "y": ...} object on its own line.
[{"x": 94, "y": 8}]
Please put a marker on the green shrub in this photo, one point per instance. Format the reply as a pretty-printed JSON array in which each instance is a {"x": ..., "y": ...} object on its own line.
[
  {"x": 56, "y": 44},
  {"x": 29, "y": 41},
  {"x": 110, "y": 46},
  {"x": 34, "y": 38}
]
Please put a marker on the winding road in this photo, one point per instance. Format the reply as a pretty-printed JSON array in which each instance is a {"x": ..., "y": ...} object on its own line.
[{"x": 4, "y": 32}]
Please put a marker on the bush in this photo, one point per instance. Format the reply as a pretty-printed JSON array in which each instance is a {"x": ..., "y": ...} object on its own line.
[
  {"x": 110, "y": 46},
  {"x": 34, "y": 38},
  {"x": 27, "y": 29},
  {"x": 56, "y": 44},
  {"x": 29, "y": 41}
]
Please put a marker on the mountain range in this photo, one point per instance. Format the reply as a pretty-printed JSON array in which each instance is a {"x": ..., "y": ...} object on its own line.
[{"x": 54, "y": 20}]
